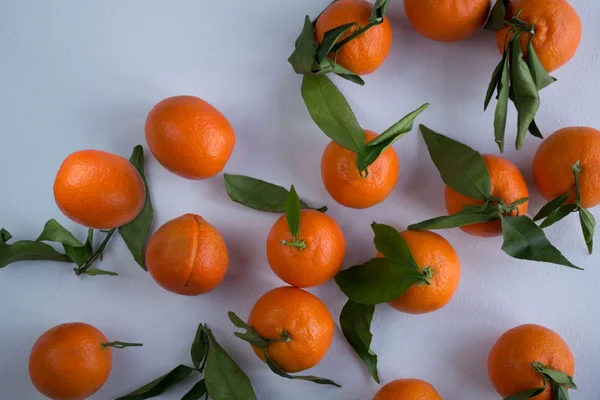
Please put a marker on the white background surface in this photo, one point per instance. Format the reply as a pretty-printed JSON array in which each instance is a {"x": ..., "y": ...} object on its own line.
[{"x": 77, "y": 75}]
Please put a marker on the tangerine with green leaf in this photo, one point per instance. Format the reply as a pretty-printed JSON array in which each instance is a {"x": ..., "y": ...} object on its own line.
[
  {"x": 365, "y": 53},
  {"x": 557, "y": 30},
  {"x": 299, "y": 323},
  {"x": 311, "y": 259},
  {"x": 554, "y": 160},
  {"x": 99, "y": 190},
  {"x": 348, "y": 186},
  {"x": 407, "y": 389},
  {"x": 187, "y": 256},
  {"x": 510, "y": 361},
  {"x": 507, "y": 184},
  {"x": 439, "y": 263},
  {"x": 447, "y": 20},
  {"x": 71, "y": 361}
]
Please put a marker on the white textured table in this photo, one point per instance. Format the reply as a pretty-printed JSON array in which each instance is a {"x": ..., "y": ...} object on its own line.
[{"x": 84, "y": 74}]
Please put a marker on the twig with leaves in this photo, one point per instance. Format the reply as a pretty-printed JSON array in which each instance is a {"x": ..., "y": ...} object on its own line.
[{"x": 559, "y": 383}]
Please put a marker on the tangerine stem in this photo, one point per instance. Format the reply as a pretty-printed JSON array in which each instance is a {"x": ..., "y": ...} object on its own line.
[
  {"x": 299, "y": 244},
  {"x": 119, "y": 345},
  {"x": 97, "y": 254}
]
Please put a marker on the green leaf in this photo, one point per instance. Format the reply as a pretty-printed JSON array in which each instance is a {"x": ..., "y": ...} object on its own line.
[
  {"x": 588, "y": 226},
  {"x": 461, "y": 218},
  {"x": 535, "y": 131},
  {"x": 96, "y": 271},
  {"x": 355, "y": 321},
  {"x": 496, "y": 20},
  {"x": 303, "y": 56},
  {"x": 135, "y": 234},
  {"x": 527, "y": 394},
  {"x": 74, "y": 249},
  {"x": 524, "y": 240},
  {"x": 309, "y": 378},
  {"x": 460, "y": 167},
  {"x": 160, "y": 385},
  {"x": 369, "y": 152},
  {"x": 259, "y": 195},
  {"x": 377, "y": 281},
  {"x": 552, "y": 206},
  {"x": 331, "y": 112},
  {"x": 199, "y": 347},
  {"x": 330, "y": 38},
  {"x": 525, "y": 94},
  {"x": 540, "y": 76},
  {"x": 501, "y": 112},
  {"x": 292, "y": 212},
  {"x": 379, "y": 11},
  {"x": 26, "y": 250},
  {"x": 196, "y": 392},
  {"x": 390, "y": 243},
  {"x": 250, "y": 336},
  {"x": 560, "y": 392},
  {"x": 327, "y": 65},
  {"x": 493, "y": 85},
  {"x": 224, "y": 379},
  {"x": 558, "y": 214},
  {"x": 350, "y": 77},
  {"x": 555, "y": 376}
]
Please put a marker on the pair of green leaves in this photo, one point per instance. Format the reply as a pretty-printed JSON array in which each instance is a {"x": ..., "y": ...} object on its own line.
[
  {"x": 517, "y": 80},
  {"x": 312, "y": 58},
  {"x": 559, "y": 383},
  {"x": 379, "y": 280},
  {"x": 252, "y": 337},
  {"x": 557, "y": 209},
  {"x": 81, "y": 254},
  {"x": 333, "y": 115},
  {"x": 223, "y": 379},
  {"x": 464, "y": 170}
]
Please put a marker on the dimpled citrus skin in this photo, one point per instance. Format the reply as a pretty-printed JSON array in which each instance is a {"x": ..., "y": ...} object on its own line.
[
  {"x": 319, "y": 261},
  {"x": 507, "y": 183},
  {"x": 430, "y": 250},
  {"x": 304, "y": 317},
  {"x": 365, "y": 53},
  {"x": 343, "y": 181},
  {"x": 557, "y": 27},
  {"x": 407, "y": 389},
  {"x": 187, "y": 256},
  {"x": 447, "y": 20},
  {"x": 68, "y": 363},
  {"x": 509, "y": 362},
  {"x": 99, "y": 190},
  {"x": 554, "y": 159},
  {"x": 189, "y": 137}
]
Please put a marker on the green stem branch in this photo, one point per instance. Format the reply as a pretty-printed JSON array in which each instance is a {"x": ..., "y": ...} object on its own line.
[
  {"x": 119, "y": 345},
  {"x": 98, "y": 254}
]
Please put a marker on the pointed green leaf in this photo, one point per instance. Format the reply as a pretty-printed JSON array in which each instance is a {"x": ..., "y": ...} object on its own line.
[
  {"x": 377, "y": 281},
  {"x": 501, "y": 112},
  {"x": 524, "y": 240},
  {"x": 259, "y": 195},
  {"x": 588, "y": 226},
  {"x": 390, "y": 243},
  {"x": 135, "y": 234},
  {"x": 26, "y": 250},
  {"x": 497, "y": 17},
  {"x": 74, "y": 249},
  {"x": 327, "y": 65},
  {"x": 560, "y": 392},
  {"x": 552, "y": 206},
  {"x": 369, "y": 152},
  {"x": 461, "y": 218},
  {"x": 303, "y": 56},
  {"x": 199, "y": 347},
  {"x": 97, "y": 271},
  {"x": 314, "y": 379},
  {"x": 160, "y": 385},
  {"x": 196, "y": 392},
  {"x": 250, "y": 336},
  {"x": 525, "y": 94},
  {"x": 493, "y": 85},
  {"x": 355, "y": 321},
  {"x": 379, "y": 11},
  {"x": 535, "y": 130},
  {"x": 224, "y": 379},
  {"x": 292, "y": 212},
  {"x": 330, "y": 38},
  {"x": 460, "y": 167},
  {"x": 331, "y": 112},
  {"x": 555, "y": 376},
  {"x": 558, "y": 215},
  {"x": 541, "y": 77},
  {"x": 527, "y": 394}
]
